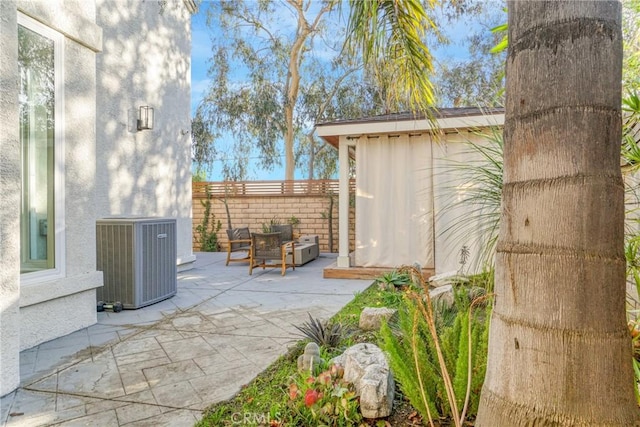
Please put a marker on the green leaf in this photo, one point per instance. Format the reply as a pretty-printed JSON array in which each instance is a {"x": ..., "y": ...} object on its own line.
[
  {"x": 631, "y": 103},
  {"x": 636, "y": 369},
  {"x": 500, "y": 28},
  {"x": 500, "y": 47}
]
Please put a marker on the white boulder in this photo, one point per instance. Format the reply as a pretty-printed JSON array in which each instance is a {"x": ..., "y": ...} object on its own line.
[{"x": 366, "y": 366}]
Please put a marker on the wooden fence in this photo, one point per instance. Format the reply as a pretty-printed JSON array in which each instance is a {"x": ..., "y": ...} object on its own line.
[{"x": 269, "y": 188}]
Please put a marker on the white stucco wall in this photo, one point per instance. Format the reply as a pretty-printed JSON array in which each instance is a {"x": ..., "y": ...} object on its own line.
[
  {"x": 146, "y": 61},
  {"x": 40, "y": 317},
  {"x": 10, "y": 206},
  {"x": 34, "y": 311}
]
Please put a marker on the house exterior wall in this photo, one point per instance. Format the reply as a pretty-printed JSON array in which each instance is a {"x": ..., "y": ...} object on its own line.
[
  {"x": 10, "y": 206},
  {"x": 145, "y": 61},
  {"x": 109, "y": 168},
  {"x": 32, "y": 312}
]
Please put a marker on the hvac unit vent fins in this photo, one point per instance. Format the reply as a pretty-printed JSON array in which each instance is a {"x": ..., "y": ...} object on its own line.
[{"x": 138, "y": 259}]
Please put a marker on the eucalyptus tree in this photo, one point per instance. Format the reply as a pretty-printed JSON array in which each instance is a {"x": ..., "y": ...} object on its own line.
[
  {"x": 477, "y": 79},
  {"x": 340, "y": 90},
  {"x": 203, "y": 149},
  {"x": 559, "y": 352},
  {"x": 261, "y": 67}
]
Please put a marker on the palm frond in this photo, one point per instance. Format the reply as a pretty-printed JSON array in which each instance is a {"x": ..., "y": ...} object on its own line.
[{"x": 394, "y": 30}]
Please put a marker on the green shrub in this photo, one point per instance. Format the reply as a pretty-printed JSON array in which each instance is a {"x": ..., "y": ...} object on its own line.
[
  {"x": 266, "y": 226},
  {"x": 412, "y": 365},
  {"x": 208, "y": 229},
  {"x": 324, "y": 400},
  {"x": 458, "y": 340},
  {"x": 429, "y": 354}
]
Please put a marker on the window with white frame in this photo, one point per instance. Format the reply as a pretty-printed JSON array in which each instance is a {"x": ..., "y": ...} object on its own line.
[{"x": 40, "y": 65}]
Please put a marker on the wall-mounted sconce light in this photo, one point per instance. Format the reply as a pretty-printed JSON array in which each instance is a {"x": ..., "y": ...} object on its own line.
[{"x": 145, "y": 118}]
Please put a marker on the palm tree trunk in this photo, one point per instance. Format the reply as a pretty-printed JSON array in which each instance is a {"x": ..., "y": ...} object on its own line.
[{"x": 559, "y": 350}]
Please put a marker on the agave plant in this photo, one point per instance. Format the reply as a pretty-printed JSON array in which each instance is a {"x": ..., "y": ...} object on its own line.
[
  {"x": 393, "y": 279},
  {"x": 325, "y": 334}
]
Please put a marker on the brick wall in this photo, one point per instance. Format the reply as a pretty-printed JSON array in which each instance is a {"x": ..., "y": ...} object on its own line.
[{"x": 253, "y": 210}]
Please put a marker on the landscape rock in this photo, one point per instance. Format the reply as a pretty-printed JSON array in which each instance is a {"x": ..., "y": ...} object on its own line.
[
  {"x": 366, "y": 366},
  {"x": 477, "y": 292},
  {"x": 310, "y": 358},
  {"x": 371, "y": 317},
  {"x": 443, "y": 279},
  {"x": 442, "y": 295}
]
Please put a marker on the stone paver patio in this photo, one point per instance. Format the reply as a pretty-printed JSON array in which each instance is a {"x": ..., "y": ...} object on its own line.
[{"x": 163, "y": 364}]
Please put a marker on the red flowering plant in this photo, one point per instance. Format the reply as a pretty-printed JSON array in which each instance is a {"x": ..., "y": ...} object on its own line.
[{"x": 326, "y": 399}]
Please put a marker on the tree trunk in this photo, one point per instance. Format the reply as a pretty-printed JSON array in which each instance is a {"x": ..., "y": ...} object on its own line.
[
  {"x": 312, "y": 155},
  {"x": 292, "y": 87},
  {"x": 559, "y": 350},
  {"x": 330, "y": 223},
  {"x": 288, "y": 144}
]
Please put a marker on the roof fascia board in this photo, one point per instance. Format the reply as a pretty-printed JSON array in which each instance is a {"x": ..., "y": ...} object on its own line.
[{"x": 444, "y": 124}]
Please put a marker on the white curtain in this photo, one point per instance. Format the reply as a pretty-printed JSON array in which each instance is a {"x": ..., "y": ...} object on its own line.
[{"x": 394, "y": 199}]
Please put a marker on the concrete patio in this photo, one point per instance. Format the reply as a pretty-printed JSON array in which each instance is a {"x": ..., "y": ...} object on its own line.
[{"x": 163, "y": 364}]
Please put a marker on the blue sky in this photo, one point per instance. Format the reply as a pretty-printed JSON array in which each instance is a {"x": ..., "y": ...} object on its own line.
[{"x": 201, "y": 53}]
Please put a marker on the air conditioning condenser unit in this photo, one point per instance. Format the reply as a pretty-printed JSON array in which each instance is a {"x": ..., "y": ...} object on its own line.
[{"x": 137, "y": 256}]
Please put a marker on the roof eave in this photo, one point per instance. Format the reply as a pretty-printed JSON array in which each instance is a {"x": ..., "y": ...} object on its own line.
[{"x": 331, "y": 132}]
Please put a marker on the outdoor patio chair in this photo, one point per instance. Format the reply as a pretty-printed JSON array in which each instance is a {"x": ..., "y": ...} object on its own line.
[
  {"x": 239, "y": 241},
  {"x": 285, "y": 230},
  {"x": 268, "y": 250}
]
